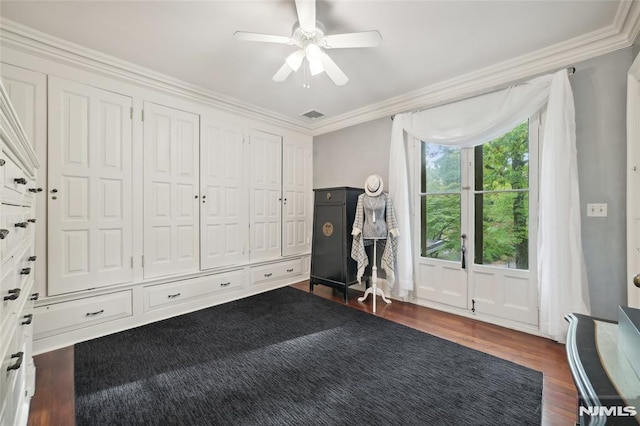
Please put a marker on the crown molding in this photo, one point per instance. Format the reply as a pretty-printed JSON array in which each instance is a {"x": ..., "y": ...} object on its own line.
[
  {"x": 29, "y": 40},
  {"x": 620, "y": 34}
]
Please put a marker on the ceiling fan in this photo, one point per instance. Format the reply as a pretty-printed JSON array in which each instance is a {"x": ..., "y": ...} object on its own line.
[{"x": 309, "y": 36}]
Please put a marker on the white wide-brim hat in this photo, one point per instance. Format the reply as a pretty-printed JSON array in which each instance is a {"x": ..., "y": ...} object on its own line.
[{"x": 373, "y": 186}]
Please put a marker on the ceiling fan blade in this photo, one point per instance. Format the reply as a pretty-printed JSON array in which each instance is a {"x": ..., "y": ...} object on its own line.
[
  {"x": 306, "y": 15},
  {"x": 295, "y": 59},
  {"x": 332, "y": 70},
  {"x": 343, "y": 41},
  {"x": 282, "y": 73},
  {"x": 265, "y": 38}
]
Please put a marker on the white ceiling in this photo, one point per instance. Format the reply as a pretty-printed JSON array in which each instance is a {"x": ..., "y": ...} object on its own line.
[{"x": 424, "y": 42}]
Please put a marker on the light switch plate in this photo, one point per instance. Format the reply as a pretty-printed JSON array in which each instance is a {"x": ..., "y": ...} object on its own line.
[{"x": 597, "y": 209}]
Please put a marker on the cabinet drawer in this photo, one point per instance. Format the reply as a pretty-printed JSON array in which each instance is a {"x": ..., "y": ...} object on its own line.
[
  {"x": 330, "y": 196},
  {"x": 6, "y": 376},
  {"x": 15, "y": 286},
  {"x": 14, "y": 180},
  {"x": 162, "y": 295},
  {"x": 275, "y": 271},
  {"x": 15, "y": 227},
  {"x": 65, "y": 316}
]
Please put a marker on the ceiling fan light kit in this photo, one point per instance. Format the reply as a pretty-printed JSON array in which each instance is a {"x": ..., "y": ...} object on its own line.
[{"x": 309, "y": 36}]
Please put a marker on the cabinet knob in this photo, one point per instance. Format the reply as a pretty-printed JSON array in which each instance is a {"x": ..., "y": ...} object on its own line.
[
  {"x": 3, "y": 233},
  {"x": 25, "y": 271},
  {"x": 14, "y": 293},
  {"x": 54, "y": 190},
  {"x": 2, "y": 162},
  {"x": 31, "y": 220},
  {"x": 21, "y": 225},
  {"x": 20, "y": 181},
  {"x": 636, "y": 280},
  {"x": 32, "y": 258},
  {"x": 35, "y": 296}
]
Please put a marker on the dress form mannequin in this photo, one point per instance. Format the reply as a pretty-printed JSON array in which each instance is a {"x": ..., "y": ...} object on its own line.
[{"x": 375, "y": 221}]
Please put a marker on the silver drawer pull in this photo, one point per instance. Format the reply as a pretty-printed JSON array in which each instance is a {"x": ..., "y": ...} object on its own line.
[
  {"x": 268, "y": 275},
  {"x": 93, "y": 314},
  {"x": 173, "y": 296},
  {"x": 290, "y": 270},
  {"x": 225, "y": 284}
]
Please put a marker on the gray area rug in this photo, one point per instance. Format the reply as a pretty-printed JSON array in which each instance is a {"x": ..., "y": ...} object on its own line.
[{"x": 287, "y": 357}]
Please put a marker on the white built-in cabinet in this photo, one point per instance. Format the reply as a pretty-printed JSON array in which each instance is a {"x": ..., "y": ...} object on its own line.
[
  {"x": 27, "y": 91},
  {"x": 266, "y": 195},
  {"x": 224, "y": 205},
  {"x": 296, "y": 180},
  {"x": 89, "y": 193},
  {"x": 151, "y": 204},
  {"x": 171, "y": 188},
  {"x": 18, "y": 163}
]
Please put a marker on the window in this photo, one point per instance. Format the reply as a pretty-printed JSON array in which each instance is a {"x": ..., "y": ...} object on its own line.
[
  {"x": 496, "y": 210},
  {"x": 501, "y": 198},
  {"x": 441, "y": 202}
]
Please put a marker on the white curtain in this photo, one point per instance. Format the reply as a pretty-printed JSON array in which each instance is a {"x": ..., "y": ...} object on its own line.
[{"x": 561, "y": 273}]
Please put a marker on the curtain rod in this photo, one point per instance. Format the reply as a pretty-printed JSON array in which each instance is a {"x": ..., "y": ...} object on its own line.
[{"x": 570, "y": 71}]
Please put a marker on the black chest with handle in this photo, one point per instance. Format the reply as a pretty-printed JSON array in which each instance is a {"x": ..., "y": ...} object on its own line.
[{"x": 331, "y": 263}]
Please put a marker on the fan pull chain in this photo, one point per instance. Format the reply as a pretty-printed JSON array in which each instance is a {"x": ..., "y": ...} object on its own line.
[{"x": 305, "y": 82}]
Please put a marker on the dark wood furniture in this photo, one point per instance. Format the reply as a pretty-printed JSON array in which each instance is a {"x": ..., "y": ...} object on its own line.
[
  {"x": 599, "y": 401},
  {"x": 333, "y": 215}
]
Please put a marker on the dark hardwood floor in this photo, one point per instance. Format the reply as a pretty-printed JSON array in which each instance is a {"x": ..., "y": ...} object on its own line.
[{"x": 53, "y": 403}]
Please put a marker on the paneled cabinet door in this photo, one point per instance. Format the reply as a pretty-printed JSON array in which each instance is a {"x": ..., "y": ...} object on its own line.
[
  {"x": 89, "y": 193},
  {"x": 297, "y": 202},
  {"x": 224, "y": 212},
  {"x": 28, "y": 94},
  {"x": 171, "y": 215},
  {"x": 266, "y": 196}
]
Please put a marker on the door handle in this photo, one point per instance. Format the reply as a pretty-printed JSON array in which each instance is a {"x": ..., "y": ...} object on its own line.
[{"x": 463, "y": 250}]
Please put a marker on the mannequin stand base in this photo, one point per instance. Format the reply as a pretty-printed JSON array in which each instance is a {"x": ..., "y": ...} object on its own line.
[{"x": 375, "y": 291}]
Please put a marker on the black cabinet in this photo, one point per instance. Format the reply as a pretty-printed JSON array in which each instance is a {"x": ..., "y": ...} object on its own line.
[{"x": 333, "y": 215}]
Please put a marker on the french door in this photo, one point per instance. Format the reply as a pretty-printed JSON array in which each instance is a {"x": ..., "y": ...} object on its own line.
[{"x": 476, "y": 210}]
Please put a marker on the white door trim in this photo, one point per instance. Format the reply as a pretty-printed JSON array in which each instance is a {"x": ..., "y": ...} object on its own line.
[{"x": 633, "y": 184}]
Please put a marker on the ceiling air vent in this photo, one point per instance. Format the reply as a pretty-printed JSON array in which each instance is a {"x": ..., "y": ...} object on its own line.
[{"x": 313, "y": 114}]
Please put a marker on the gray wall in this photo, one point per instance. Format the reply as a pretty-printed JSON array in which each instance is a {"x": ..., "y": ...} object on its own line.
[
  {"x": 346, "y": 157},
  {"x": 600, "y": 95}
]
